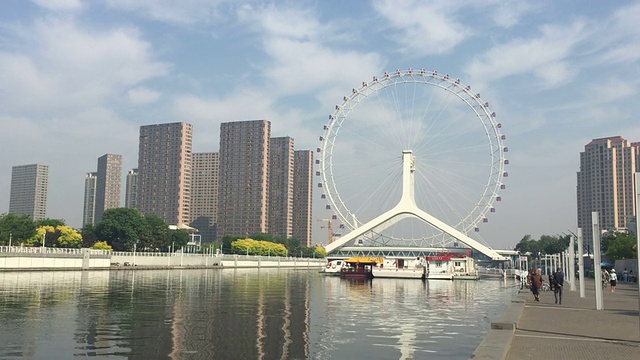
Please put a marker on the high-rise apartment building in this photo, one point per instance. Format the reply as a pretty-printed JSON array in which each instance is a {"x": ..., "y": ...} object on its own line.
[
  {"x": 108, "y": 184},
  {"x": 302, "y": 196},
  {"x": 281, "y": 164},
  {"x": 29, "y": 185},
  {"x": 243, "y": 192},
  {"x": 164, "y": 171},
  {"x": 204, "y": 194},
  {"x": 89, "y": 208},
  {"x": 131, "y": 190},
  {"x": 605, "y": 184}
]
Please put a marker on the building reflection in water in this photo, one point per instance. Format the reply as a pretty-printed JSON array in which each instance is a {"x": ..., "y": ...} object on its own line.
[{"x": 204, "y": 314}]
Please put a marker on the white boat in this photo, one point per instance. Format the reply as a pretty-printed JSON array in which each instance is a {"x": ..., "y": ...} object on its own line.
[
  {"x": 401, "y": 268},
  {"x": 451, "y": 267},
  {"x": 333, "y": 267}
]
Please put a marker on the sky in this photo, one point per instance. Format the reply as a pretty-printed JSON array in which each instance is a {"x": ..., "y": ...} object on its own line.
[{"x": 78, "y": 79}]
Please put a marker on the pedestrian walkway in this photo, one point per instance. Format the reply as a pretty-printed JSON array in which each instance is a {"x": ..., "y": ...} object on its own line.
[{"x": 575, "y": 329}]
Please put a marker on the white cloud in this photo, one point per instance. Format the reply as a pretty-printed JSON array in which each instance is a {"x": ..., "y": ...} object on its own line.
[
  {"x": 545, "y": 56},
  {"x": 143, "y": 95},
  {"x": 62, "y": 66},
  {"x": 183, "y": 12},
  {"x": 55, "y": 5},
  {"x": 422, "y": 28}
]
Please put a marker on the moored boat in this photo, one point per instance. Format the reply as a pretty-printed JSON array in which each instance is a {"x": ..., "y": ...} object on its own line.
[
  {"x": 451, "y": 267},
  {"x": 333, "y": 268},
  {"x": 359, "y": 267},
  {"x": 401, "y": 268}
]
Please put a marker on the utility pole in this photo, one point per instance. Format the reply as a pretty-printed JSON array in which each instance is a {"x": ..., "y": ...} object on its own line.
[{"x": 329, "y": 226}]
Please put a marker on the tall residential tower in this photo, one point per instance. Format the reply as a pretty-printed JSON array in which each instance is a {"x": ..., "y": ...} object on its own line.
[
  {"x": 108, "y": 184},
  {"x": 29, "y": 186},
  {"x": 302, "y": 196},
  {"x": 243, "y": 193},
  {"x": 605, "y": 184},
  {"x": 204, "y": 194},
  {"x": 281, "y": 162},
  {"x": 164, "y": 171}
]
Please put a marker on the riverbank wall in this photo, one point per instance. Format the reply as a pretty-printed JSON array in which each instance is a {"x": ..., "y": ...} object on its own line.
[{"x": 30, "y": 259}]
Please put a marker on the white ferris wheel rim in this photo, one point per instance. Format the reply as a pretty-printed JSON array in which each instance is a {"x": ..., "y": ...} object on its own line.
[{"x": 494, "y": 138}]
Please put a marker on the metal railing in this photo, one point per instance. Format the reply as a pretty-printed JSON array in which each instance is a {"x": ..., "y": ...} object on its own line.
[{"x": 49, "y": 250}]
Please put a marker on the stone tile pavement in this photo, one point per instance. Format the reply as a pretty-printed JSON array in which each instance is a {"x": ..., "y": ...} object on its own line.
[{"x": 573, "y": 330}]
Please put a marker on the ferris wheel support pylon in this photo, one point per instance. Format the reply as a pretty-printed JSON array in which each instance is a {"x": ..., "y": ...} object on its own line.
[{"x": 407, "y": 207}]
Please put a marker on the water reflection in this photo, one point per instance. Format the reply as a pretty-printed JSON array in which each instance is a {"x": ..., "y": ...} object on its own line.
[{"x": 240, "y": 314}]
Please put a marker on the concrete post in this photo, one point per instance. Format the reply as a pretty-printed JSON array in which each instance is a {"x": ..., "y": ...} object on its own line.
[
  {"x": 581, "y": 262},
  {"x": 637, "y": 183},
  {"x": 572, "y": 264},
  {"x": 86, "y": 258},
  {"x": 596, "y": 259}
]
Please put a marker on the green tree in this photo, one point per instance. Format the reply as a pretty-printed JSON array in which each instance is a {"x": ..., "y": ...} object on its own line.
[
  {"x": 156, "y": 236},
  {"x": 19, "y": 227},
  {"x": 49, "y": 222},
  {"x": 179, "y": 238},
  {"x": 227, "y": 240},
  {"x": 121, "y": 228},
  {"x": 620, "y": 246},
  {"x": 89, "y": 237}
]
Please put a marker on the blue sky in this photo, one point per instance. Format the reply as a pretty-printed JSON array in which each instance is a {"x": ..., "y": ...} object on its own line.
[{"x": 78, "y": 78}]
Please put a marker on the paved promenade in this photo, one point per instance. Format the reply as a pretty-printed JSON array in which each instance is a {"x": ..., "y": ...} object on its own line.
[{"x": 573, "y": 330}]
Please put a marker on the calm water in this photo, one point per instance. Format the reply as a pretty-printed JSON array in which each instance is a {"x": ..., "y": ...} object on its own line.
[{"x": 242, "y": 314}]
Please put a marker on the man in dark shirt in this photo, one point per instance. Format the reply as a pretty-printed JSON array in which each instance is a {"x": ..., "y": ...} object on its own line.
[
  {"x": 536, "y": 284},
  {"x": 558, "y": 278}
]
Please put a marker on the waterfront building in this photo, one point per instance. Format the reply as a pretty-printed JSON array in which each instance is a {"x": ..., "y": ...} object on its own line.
[
  {"x": 605, "y": 184},
  {"x": 302, "y": 196},
  {"x": 29, "y": 186},
  {"x": 204, "y": 194},
  {"x": 131, "y": 190},
  {"x": 243, "y": 193},
  {"x": 108, "y": 184},
  {"x": 164, "y": 171},
  {"x": 281, "y": 168},
  {"x": 89, "y": 208}
]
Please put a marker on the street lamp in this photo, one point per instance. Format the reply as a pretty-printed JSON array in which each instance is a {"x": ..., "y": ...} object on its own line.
[{"x": 9, "y": 239}]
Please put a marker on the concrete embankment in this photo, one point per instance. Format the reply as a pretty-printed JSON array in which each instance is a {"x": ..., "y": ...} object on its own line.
[{"x": 30, "y": 259}]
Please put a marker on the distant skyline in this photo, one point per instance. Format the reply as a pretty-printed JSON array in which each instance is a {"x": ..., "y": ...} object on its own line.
[{"x": 79, "y": 78}]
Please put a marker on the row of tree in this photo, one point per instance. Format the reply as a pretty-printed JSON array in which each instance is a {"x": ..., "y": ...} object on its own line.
[
  {"x": 614, "y": 245},
  {"x": 266, "y": 244},
  {"x": 123, "y": 229}
]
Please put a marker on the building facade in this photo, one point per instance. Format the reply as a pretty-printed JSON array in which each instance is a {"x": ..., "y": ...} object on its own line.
[
  {"x": 29, "y": 186},
  {"x": 89, "y": 204},
  {"x": 605, "y": 185},
  {"x": 281, "y": 168},
  {"x": 108, "y": 184},
  {"x": 243, "y": 192},
  {"x": 204, "y": 194},
  {"x": 131, "y": 189},
  {"x": 302, "y": 196},
  {"x": 164, "y": 171}
]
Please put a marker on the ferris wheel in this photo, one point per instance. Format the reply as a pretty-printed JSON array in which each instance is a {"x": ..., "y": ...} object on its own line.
[{"x": 457, "y": 148}]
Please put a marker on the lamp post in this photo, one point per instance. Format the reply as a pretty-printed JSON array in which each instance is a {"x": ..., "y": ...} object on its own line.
[{"x": 9, "y": 239}]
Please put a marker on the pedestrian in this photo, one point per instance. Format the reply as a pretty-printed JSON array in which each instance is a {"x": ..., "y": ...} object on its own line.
[
  {"x": 558, "y": 279},
  {"x": 625, "y": 275},
  {"x": 613, "y": 280},
  {"x": 536, "y": 284}
]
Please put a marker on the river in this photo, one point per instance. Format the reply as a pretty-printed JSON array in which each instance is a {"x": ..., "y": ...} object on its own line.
[{"x": 242, "y": 314}]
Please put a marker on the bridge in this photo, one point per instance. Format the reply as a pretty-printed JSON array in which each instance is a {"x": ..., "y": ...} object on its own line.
[{"x": 406, "y": 208}]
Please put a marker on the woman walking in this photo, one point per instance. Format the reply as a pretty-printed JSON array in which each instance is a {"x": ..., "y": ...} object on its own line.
[{"x": 613, "y": 280}]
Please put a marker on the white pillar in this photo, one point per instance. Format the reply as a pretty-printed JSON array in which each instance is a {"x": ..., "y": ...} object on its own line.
[
  {"x": 596, "y": 259},
  {"x": 572, "y": 264},
  {"x": 637, "y": 183},
  {"x": 581, "y": 262}
]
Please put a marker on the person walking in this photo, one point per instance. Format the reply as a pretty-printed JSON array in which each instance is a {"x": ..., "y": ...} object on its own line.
[
  {"x": 558, "y": 279},
  {"x": 536, "y": 284},
  {"x": 613, "y": 280}
]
